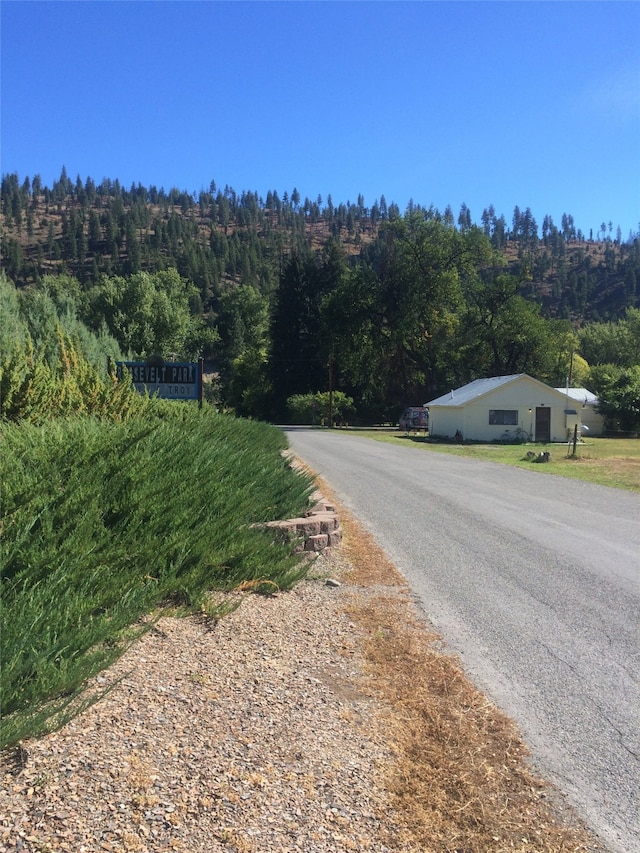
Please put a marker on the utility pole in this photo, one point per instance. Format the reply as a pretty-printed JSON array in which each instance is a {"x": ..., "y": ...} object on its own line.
[
  {"x": 570, "y": 379},
  {"x": 331, "y": 391}
]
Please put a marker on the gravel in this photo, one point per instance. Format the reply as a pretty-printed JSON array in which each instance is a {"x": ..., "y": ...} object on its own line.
[{"x": 252, "y": 734}]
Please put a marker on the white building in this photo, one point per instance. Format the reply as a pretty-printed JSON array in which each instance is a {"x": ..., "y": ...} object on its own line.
[
  {"x": 586, "y": 402},
  {"x": 503, "y": 407}
]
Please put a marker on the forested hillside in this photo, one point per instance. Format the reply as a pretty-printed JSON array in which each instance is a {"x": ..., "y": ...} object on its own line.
[
  {"x": 287, "y": 297},
  {"x": 219, "y": 237}
]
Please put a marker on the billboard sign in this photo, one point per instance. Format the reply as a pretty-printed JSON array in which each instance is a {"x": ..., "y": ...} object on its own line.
[{"x": 171, "y": 380}]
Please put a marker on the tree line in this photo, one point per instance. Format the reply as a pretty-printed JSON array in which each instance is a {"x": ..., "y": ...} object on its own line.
[
  {"x": 218, "y": 238},
  {"x": 286, "y": 298},
  {"x": 427, "y": 310}
]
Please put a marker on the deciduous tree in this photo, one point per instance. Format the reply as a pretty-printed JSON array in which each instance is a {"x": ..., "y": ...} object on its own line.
[{"x": 618, "y": 390}]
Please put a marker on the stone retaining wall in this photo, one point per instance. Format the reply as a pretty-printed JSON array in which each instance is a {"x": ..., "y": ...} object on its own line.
[{"x": 316, "y": 532}]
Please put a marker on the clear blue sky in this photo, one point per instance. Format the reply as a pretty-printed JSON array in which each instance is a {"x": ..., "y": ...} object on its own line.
[{"x": 535, "y": 104}]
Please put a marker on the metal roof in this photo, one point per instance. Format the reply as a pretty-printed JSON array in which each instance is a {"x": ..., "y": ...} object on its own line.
[
  {"x": 477, "y": 388},
  {"x": 581, "y": 395}
]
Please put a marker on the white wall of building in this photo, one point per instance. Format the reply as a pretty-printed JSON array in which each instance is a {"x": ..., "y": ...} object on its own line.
[{"x": 523, "y": 395}]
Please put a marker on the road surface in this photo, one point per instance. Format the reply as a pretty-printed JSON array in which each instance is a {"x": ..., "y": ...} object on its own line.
[{"x": 535, "y": 581}]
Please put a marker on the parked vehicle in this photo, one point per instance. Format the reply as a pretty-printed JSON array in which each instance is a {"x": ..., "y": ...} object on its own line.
[{"x": 414, "y": 418}]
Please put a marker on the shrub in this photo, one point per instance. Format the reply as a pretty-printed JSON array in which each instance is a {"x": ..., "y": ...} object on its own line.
[
  {"x": 314, "y": 408},
  {"x": 106, "y": 521}
]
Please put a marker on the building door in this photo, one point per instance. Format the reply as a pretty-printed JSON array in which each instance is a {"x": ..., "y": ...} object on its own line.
[{"x": 543, "y": 424}]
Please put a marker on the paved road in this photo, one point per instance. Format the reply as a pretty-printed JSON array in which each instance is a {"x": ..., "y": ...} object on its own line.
[{"x": 535, "y": 581}]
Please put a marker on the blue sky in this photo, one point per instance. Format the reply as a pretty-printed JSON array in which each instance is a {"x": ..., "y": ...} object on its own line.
[{"x": 535, "y": 104}]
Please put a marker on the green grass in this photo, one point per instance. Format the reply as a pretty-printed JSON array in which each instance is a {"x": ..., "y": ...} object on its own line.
[
  {"x": 608, "y": 461},
  {"x": 104, "y": 523}
]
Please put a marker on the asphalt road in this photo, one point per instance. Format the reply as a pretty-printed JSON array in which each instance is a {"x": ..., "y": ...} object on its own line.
[{"x": 535, "y": 581}]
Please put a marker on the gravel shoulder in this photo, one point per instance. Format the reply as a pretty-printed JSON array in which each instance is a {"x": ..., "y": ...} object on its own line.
[
  {"x": 295, "y": 723},
  {"x": 252, "y": 734}
]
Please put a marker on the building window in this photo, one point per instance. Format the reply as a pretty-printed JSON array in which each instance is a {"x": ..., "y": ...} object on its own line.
[{"x": 503, "y": 417}]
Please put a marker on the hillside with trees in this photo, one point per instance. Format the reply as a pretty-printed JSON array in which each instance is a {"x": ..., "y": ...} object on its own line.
[{"x": 286, "y": 297}]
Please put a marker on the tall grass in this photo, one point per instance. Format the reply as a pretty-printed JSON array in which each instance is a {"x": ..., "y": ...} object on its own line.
[{"x": 103, "y": 522}]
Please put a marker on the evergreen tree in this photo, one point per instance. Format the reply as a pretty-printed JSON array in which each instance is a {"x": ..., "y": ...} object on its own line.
[
  {"x": 296, "y": 365},
  {"x": 464, "y": 218}
]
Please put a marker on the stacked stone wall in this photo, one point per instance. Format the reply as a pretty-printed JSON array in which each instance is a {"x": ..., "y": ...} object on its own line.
[{"x": 317, "y": 532}]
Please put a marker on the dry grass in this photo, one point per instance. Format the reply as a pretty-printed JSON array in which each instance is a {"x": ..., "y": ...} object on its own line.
[
  {"x": 620, "y": 472},
  {"x": 461, "y": 780}
]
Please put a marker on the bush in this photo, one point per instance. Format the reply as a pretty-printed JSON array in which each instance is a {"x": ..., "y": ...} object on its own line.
[
  {"x": 106, "y": 521},
  {"x": 51, "y": 365},
  {"x": 314, "y": 408},
  {"x": 33, "y": 388}
]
